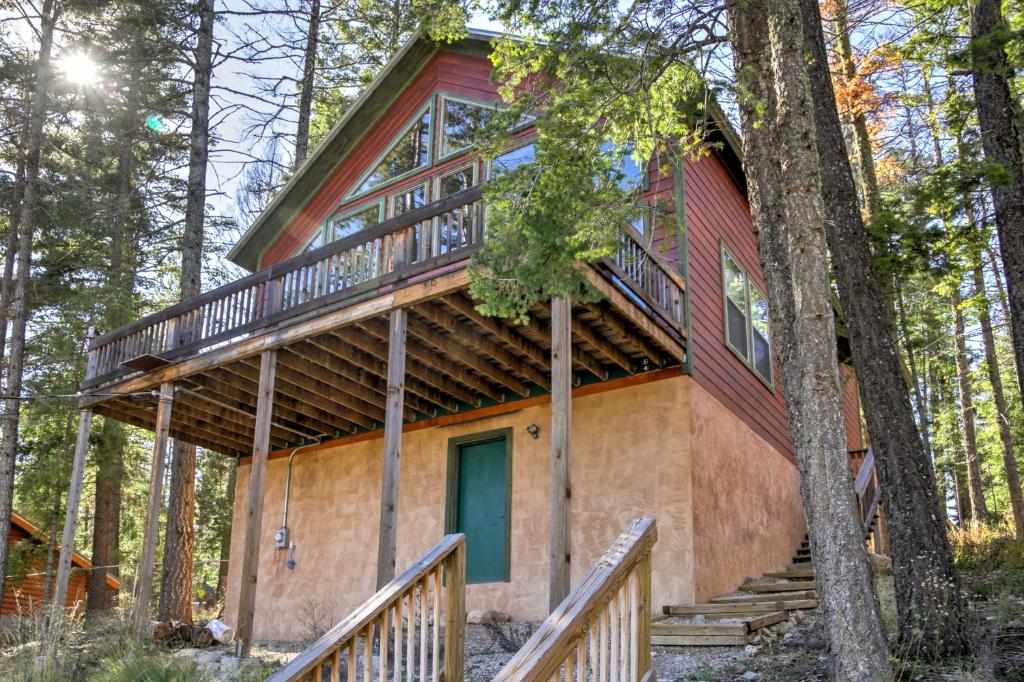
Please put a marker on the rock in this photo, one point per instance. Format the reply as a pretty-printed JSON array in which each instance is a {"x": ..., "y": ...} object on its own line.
[
  {"x": 880, "y": 564},
  {"x": 784, "y": 627},
  {"x": 699, "y": 618},
  {"x": 206, "y": 657},
  {"x": 750, "y": 650},
  {"x": 186, "y": 653},
  {"x": 799, "y": 616},
  {"x": 229, "y": 663},
  {"x": 751, "y": 676},
  {"x": 481, "y": 617}
]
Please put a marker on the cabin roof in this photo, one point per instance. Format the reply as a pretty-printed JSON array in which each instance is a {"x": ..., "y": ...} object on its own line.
[
  {"x": 77, "y": 559},
  {"x": 366, "y": 111}
]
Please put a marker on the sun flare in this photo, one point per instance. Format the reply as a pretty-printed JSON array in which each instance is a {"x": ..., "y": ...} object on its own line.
[{"x": 79, "y": 68}]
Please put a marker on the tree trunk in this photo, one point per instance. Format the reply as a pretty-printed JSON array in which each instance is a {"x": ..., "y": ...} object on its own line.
[
  {"x": 915, "y": 376},
  {"x": 106, "y": 529},
  {"x": 781, "y": 163},
  {"x": 179, "y": 541},
  {"x": 19, "y": 299},
  {"x": 225, "y": 540},
  {"x": 979, "y": 512},
  {"x": 11, "y": 242},
  {"x": 308, "y": 81},
  {"x": 999, "y": 397},
  {"x": 999, "y": 120},
  {"x": 931, "y": 620}
]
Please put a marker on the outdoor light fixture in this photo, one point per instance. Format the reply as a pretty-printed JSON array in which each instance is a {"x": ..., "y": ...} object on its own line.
[{"x": 533, "y": 430}]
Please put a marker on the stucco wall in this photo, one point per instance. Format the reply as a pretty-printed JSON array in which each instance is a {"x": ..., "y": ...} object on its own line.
[
  {"x": 748, "y": 517},
  {"x": 630, "y": 458}
]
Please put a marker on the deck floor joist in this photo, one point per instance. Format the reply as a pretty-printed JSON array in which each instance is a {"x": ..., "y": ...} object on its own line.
[{"x": 332, "y": 381}]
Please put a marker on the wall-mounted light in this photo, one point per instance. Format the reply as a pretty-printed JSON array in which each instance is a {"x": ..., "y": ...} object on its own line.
[{"x": 533, "y": 430}]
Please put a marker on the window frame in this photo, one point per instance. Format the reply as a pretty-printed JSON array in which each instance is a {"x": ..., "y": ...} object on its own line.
[
  {"x": 517, "y": 144},
  {"x": 354, "y": 193},
  {"x": 748, "y": 286},
  {"x": 442, "y": 97},
  {"x": 351, "y": 210},
  {"x": 389, "y": 207},
  {"x": 451, "y": 506}
]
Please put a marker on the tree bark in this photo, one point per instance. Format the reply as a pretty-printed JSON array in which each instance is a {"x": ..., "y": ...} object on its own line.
[
  {"x": 11, "y": 243},
  {"x": 781, "y": 162},
  {"x": 179, "y": 540},
  {"x": 106, "y": 529},
  {"x": 999, "y": 120},
  {"x": 225, "y": 540},
  {"x": 979, "y": 511},
  {"x": 929, "y": 619},
  {"x": 307, "y": 83},
  {"x": 19, "y": 300},
  {"x": 995, "y": 378}
]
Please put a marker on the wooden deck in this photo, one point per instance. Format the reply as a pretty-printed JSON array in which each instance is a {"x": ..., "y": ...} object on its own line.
[{"x": 326, "y": 313}]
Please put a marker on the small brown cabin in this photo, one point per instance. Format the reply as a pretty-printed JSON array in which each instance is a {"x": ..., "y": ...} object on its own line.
[{"x": 24, "y": 591}]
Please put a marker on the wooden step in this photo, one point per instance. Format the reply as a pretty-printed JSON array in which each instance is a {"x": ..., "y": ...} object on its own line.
[
  {"x": 802, "y": 566},
  {"x": 762, "y": 597},
  {"x": 790, "y": 586},
  {"x": 792, "y": 574},
  {"x": 727, "y": 609},
  {"x": 801, "y": 561},
  {"x": 713, "y": 634},
  {"x": 804, "y": 551}
]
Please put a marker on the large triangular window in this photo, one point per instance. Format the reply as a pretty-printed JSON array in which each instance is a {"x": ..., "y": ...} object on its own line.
[{"x": 410, "y": 151}]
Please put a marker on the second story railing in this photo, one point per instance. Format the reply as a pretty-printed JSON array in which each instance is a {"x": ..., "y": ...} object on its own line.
[
  {"x": 398, "y": 249},
  {"x": 400, "y": 627},
  {"x": 602, "y": 630},
  {"x": 422, "y": 239}
]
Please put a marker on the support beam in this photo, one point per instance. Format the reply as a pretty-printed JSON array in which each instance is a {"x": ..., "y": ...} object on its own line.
[
  {"x": 561, "y": 428},
  {"x": 152, "y": 527},
  {"x": 67, "y": 542},
  {"x": 392, "y": 448},
  {"x": 254, "y": 502}
]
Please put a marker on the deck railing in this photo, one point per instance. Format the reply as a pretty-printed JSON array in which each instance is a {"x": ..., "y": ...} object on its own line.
[
  {"x": 339, "y": 273},
  {"x": 602, "y": 630},
  {"x": 653, "y": 282},
  {"x": 396, "y": 249},
  {"x": 397, "y": 633},
  {"x": 865, "y": 484}
]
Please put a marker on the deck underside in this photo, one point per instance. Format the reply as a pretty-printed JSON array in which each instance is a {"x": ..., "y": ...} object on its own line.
[{"x": 331, "y": 376}]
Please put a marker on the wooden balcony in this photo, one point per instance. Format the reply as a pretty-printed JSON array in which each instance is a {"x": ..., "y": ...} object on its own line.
[{"x": 326, "y": 313}]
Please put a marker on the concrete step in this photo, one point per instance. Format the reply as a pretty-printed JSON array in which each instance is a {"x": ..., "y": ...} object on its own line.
[{"x": 785, "y": 586}]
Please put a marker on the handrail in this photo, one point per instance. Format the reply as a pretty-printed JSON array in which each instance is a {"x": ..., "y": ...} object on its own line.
[
  {"x": 869, "y": 493},
  {"x": 604, "y": 624},
  {"x": 416, "y": 592},
  {"x": 428, "y": 237},
  {"x": 867, "y": 468},
  {"x": 656, "y": 284}
]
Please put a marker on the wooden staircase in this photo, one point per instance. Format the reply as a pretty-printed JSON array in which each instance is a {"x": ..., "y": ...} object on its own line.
[{"x": 734, "y": 619}]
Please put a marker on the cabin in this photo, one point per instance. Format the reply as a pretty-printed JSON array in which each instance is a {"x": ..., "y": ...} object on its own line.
[
  {"x": 25, "y": 588},
  {"x": 373, "y": 409}
]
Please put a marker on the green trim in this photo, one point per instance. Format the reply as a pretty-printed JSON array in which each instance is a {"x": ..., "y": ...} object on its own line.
[
  {"x": 443, "y": 95},
  {"x": 417, "y": 117},
  {"x": 451, "y": 510},
  {"x": 747, "y": 361},
  {"x": 683, "y": 249}
]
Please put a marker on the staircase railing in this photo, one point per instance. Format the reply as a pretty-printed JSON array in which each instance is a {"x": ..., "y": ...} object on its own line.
[
  {"x": 602, "y": 630},
  {"x": 404, "y": 620},
  {"x": 869, "y": 494}
]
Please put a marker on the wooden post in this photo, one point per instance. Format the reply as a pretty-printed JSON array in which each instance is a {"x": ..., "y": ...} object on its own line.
[
  {"x": 254, "y": 502},
  {"x": 67, "y": 543},
  {"x": 561, "y": 427},
  {"x": 455, "y": 614},
  {"x": 392, "y": 449},
  {"x": 152, "y": 524}
]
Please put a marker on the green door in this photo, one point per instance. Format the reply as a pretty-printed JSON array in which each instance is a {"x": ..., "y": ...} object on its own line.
[{"x": 481, "y": 509}]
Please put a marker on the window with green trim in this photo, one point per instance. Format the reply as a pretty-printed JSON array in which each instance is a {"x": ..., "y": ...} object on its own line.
[
  {"x": 747, "y": 331},
  {"x": 409, "y": 152},
  {"x": 460, "y": 121},
  {"x": 513, "y": 158},
  {"x": 355, "y": 221}
]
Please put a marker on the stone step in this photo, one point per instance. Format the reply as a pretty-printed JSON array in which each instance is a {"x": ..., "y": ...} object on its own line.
[
  {"x": 790, "y": 586},
  {"x": 734, "y": 609},
  {"x": 792, "y": 574},
  {"x": 762, "y": 597}
]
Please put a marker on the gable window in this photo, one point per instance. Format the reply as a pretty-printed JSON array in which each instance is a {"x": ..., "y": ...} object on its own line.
[
  {"x": 408, "y": 199},
  {"x": 409, "y": 152},
  {"x": 746, "y": 319},
  {"x": 460, "y": 121},
  {"x": 513, "y": 158},
  {"x": 629, "y": 174},
  {"x": 355, "y": 220}
]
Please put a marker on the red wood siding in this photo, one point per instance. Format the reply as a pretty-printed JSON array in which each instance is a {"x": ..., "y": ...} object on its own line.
[
  {"x": 450, "y": 72},
  {"x": 851, "y": 408},
  {"x": 716, "y": 212}
]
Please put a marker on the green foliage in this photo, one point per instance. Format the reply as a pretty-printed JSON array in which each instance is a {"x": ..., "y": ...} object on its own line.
[{"x": 141, "y": 664}]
